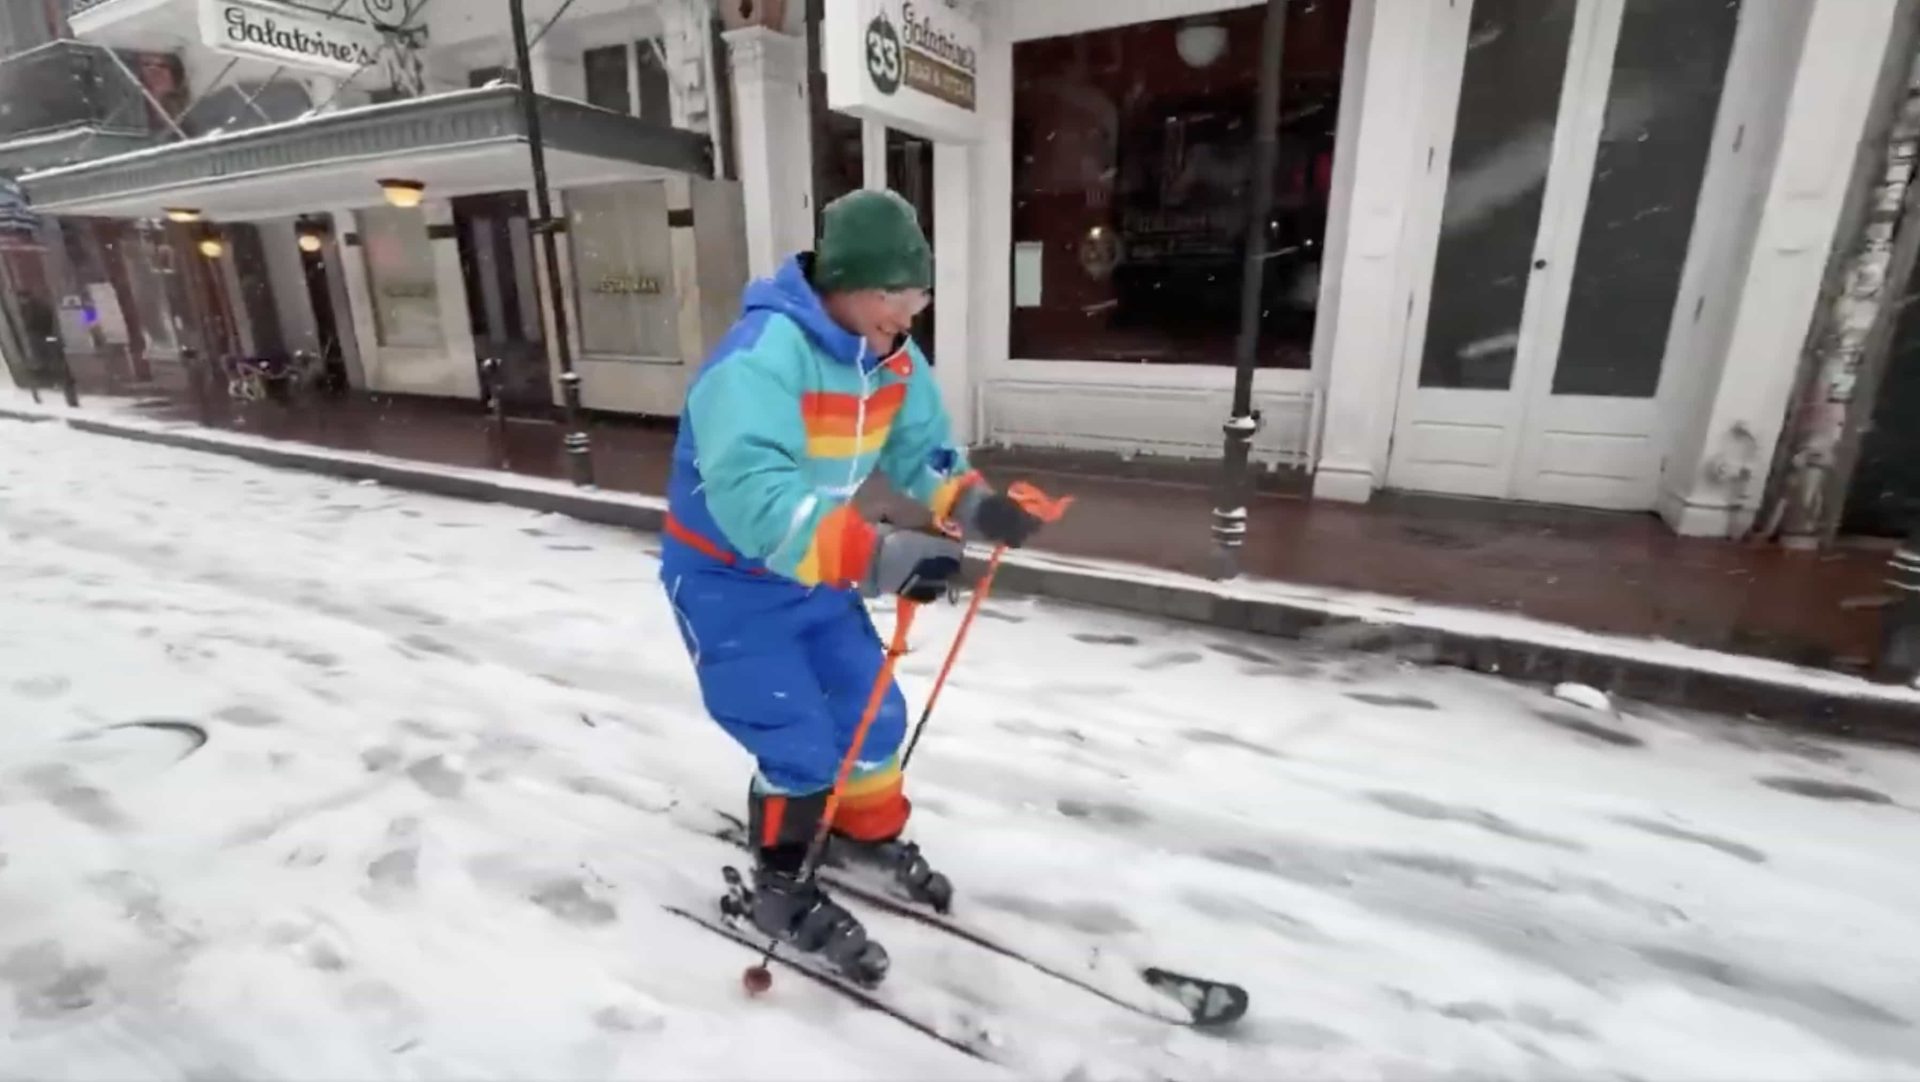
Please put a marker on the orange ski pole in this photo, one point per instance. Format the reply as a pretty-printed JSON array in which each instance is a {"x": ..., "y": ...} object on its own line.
[
  {"x": 758, "y": 978},
  {"x": 1042, "y": 507}
]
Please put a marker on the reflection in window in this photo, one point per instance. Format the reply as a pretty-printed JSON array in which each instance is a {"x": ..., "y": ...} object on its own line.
[
  {"x": 1496, "y": 181},
  {"x": 1132, "y": 151},
  {"x": 400, "y": 272},
  {"x": 1667, "y": 72}
]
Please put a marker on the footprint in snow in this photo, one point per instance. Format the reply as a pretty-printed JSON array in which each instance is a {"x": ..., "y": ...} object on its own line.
[{"x": 1116, "y": 814}]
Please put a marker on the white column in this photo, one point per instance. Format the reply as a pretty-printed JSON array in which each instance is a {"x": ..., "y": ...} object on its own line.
[
  {"x": 359, "y": 291},
  {"x": 348, "y": 312},
  {"x": 981, "y": 202},
  {"x": 775, "y": 167},
  {"x": 954, "y": 342},
  {"x": 1717, "y": 475},
  {"x": 460, "y": 371},
  {"x": 873, "y": 155},
  {"x": 1381, "y": 100}
]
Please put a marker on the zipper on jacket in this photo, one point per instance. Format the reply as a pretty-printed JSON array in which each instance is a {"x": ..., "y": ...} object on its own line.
[{"x": 860, "y": 416}]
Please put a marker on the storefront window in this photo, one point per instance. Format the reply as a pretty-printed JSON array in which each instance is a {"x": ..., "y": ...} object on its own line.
[
  {"x": 149, "y": 262},
  {"x": 1496, "y": 184},
  {"x": 630, "y": 79},
  {"x": 1132, "y": 153},
  {"x": 623, "y": 270},
  {"x": 400, "y": 272}
]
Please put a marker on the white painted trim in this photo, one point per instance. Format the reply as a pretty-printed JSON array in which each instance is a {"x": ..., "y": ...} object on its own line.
[
  {"x": 1689, "y": 518},
  {"x": 1839, "y": 62},
  {"x": 1183, "y": 376},
  {"x": 873, "y": 155},
  {"x": 1377, "y": 188},
  {"x": 1029, "y": 19},
  {"x": 955, "y": 341},
  {"x": 1342, "y": 484}
]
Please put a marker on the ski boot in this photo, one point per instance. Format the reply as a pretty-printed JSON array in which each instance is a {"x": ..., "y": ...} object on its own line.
[
  {"x": 900, "y": 863},
  {"x": 799, "y": 914}
]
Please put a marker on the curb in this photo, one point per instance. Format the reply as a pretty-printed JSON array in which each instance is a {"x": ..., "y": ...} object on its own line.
[{"x": 1864, "y": 712}]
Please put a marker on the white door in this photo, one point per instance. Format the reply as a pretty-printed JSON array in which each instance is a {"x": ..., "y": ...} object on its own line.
[{"x": 1569, "y": 141}]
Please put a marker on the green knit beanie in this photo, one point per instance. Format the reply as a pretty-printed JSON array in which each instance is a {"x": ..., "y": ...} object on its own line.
[{"x": 871, "y": 240}]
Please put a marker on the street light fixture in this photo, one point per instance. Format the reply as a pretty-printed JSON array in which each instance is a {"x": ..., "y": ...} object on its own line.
[
  {"x": 405, "y": 194},
  {"x": 182, "y": 215}
]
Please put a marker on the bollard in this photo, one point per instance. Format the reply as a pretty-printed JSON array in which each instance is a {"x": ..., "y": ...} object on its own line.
[
  {"x": 492, "y": 378},
  {"x": 1900, "y": 627}
]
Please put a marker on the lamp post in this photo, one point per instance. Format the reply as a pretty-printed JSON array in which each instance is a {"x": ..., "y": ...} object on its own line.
[
  {"x": 1230, "y": 501},
  {"x": 579, "y": 449}
]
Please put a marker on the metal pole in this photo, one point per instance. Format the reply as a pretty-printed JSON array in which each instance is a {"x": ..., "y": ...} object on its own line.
[
  {"x": 579, "y": 450},
  {"x": 819, "y": 131},
  {"x": 1230, "y": 502}
]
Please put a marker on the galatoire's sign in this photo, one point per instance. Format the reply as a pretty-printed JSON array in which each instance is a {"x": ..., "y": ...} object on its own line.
[
  {"x": 288, "y": 34},
  {"x": 910, "y": 64}
]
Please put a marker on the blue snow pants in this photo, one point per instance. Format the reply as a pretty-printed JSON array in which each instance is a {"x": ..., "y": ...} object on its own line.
[{"x": 786, "y": 671}]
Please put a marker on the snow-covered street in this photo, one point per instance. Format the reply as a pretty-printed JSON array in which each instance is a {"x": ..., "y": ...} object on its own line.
[{"x": 454, "y": 764}]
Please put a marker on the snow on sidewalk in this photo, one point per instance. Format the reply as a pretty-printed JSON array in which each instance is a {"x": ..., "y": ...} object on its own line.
[
  {"x": 455, "y": 762},
  {"x": 1354, "y": 613}
]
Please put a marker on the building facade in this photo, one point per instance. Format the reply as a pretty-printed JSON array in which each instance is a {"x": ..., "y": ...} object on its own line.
[
  {"x": 350, "y": 185},
  {"x": 1557, "y": 251}
]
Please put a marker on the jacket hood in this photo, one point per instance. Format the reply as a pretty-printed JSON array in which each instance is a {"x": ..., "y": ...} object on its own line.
[{"x": 789, "y": 293}]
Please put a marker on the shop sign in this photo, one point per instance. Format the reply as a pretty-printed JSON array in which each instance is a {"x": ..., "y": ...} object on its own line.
[
  {"x": 910, "y": 64},
  {"x": 628, "y": 284},
  {"x": 290, "y": 35}
]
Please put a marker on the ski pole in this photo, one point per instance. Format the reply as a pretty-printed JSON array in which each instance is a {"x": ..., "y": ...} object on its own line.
[
  {"x": 980, "y": 592},
  {"x": 757, "y": 977},
  {"x": 1042, "y": 507}
]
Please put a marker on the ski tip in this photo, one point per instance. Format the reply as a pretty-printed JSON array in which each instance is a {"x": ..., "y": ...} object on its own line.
[{"x": 1210, "y": 1004}]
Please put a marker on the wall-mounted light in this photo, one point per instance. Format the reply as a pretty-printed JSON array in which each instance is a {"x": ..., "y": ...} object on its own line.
[
  {"x": 182, "y": 214},
  {"x": 311, "y": 241},
  {"x": 404, "y": 194},
  {"x": 212, "y": 248},
  {"x": 1201, "y": 42}
]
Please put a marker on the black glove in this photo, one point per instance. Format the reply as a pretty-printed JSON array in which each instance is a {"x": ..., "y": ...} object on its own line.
[
  {"x": 985, "y": 515},
  {"x": 917, "y": 566}
]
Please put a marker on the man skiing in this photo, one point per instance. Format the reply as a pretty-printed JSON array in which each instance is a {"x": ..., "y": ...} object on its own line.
[{"x": 766, "y": 559}]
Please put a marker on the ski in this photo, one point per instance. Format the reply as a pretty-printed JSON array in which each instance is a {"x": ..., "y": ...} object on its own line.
[
  {"x": 809, "y": 967},
  {"x": 1209, "y": 1004}
]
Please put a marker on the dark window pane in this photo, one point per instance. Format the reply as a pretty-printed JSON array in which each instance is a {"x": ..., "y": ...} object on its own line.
[
  {"x": 1667, "y": 73},
  {"x": 1496, "y": 178},
  {"x": 607, "y": 78},
  {"x": 656, "y": 94},
  {"x": 1133, "y": 149},
  {"x": 910, "y": 173}
]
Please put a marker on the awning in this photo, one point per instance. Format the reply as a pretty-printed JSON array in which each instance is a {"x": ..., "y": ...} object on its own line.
[{"x": 461, "y": 143}]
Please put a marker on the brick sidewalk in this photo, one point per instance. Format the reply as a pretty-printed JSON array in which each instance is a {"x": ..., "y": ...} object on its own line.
[{"x": 1615, "y": 573}]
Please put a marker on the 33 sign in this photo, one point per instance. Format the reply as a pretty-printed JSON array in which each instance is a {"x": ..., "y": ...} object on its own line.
[{"x": 884, "y": 62}]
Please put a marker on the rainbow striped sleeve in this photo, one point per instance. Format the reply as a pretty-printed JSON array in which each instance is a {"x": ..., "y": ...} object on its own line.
[
  {"x": 920, "y": 457},
  {"x": 839, "y": 551}
]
